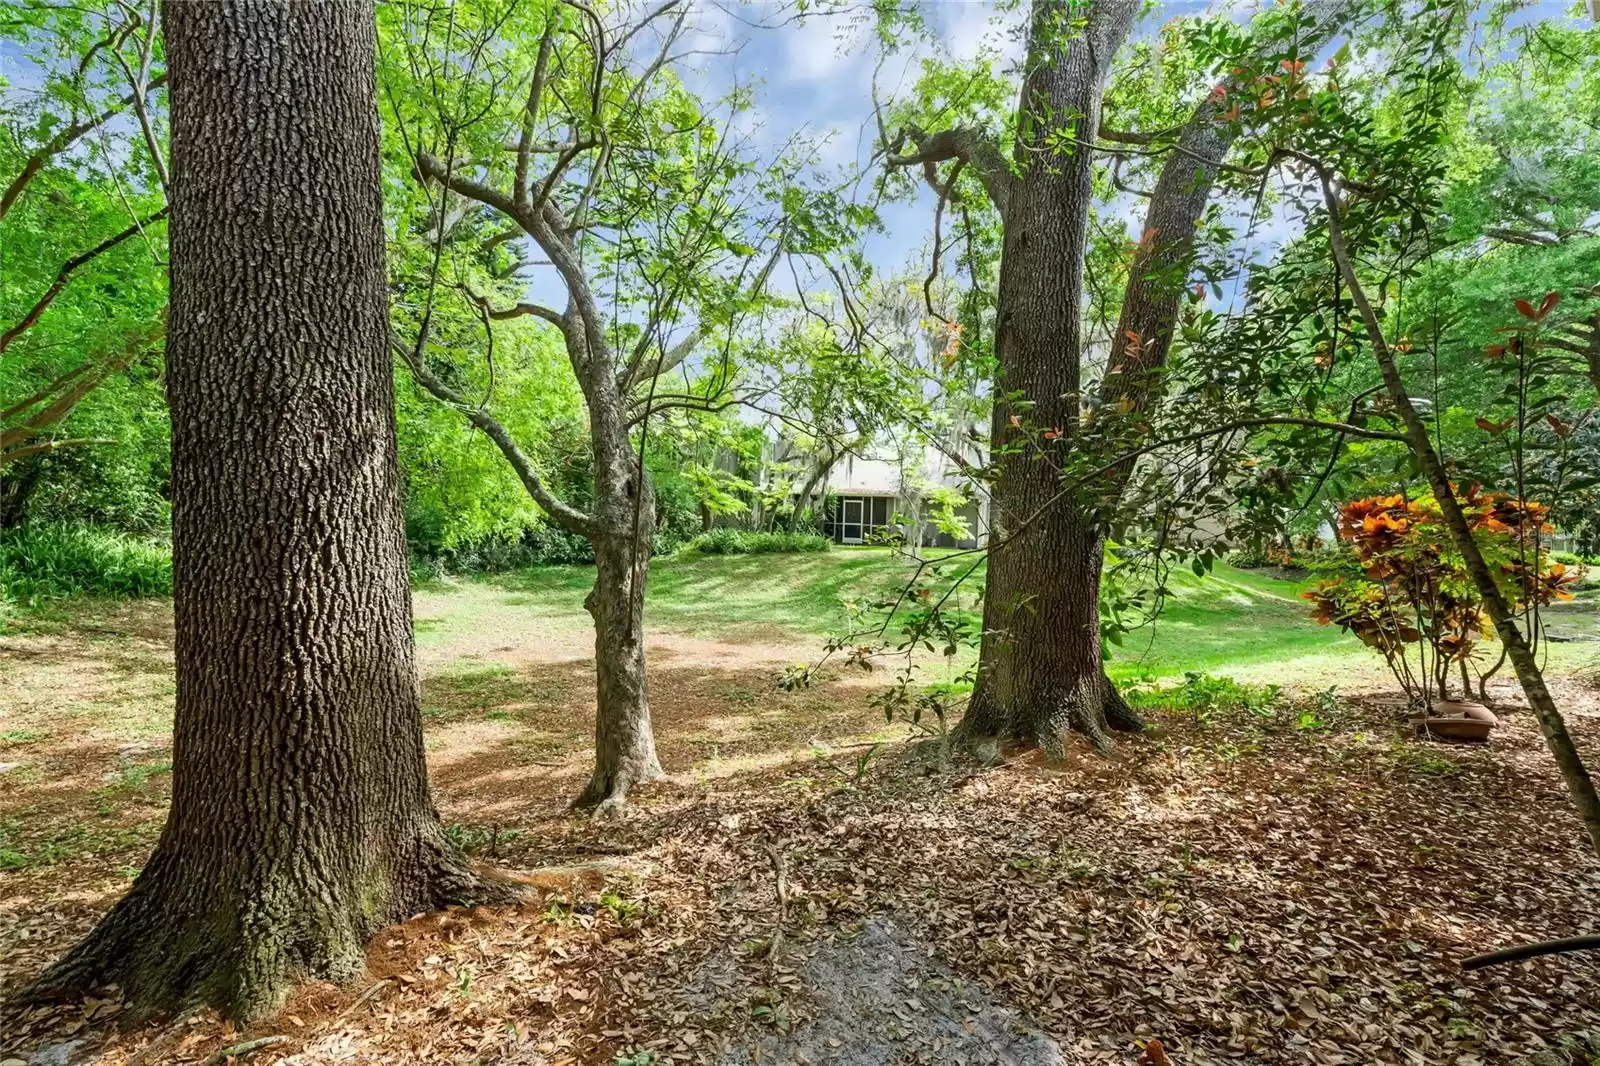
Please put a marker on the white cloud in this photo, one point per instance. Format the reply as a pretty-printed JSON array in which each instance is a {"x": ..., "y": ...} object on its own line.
[{"x": 823, "y": 48}]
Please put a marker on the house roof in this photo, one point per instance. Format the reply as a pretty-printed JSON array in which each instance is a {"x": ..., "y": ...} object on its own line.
[{"x": 851, "y": 476}]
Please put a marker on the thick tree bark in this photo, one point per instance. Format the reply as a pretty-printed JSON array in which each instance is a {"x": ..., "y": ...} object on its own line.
[
  {"x": 1040, "y": 669},
  {"x": 1580, "y": 785},
  {"x": 301, "y": 818}
]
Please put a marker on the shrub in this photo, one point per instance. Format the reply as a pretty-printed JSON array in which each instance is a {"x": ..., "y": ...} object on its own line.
[
  {"x": 1249, "y": 558},
  {"x": 1207, "y": 696},
  {"x": 42, "y": 560},
  {"x": 1402, "y": 588},
  {"x": 727, "y": 541},
  {"x": 546, "y": 545}
]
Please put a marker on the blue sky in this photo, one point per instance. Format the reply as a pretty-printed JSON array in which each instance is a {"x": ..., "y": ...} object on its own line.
[{"x": 818, "y": 75}]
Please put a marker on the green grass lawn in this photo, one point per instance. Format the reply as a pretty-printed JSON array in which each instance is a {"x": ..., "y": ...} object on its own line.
[
  {"x": 709, "y": 595},
  {"x": 1229, "y": 621},
  {"x": 1246, "y": 624}
]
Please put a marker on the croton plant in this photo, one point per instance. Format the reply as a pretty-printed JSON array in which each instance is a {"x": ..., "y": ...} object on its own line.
[{"x": 1402, "y": 588}]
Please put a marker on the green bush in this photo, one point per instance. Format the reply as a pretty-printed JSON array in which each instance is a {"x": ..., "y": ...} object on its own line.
[
  {"x": 1206, "y": 695},
  {"x": 42, "y": 560},
  {"x": 546, "y": 545},
  {"x": 1248, "y": 558},
  {"x": 728, "y": 541}
]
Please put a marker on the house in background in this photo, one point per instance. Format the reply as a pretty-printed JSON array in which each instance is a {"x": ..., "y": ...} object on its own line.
[{"x": 858, "y": 498}]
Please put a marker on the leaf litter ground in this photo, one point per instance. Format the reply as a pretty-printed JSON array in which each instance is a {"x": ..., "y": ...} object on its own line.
[{"x": 1242, "y": 889}]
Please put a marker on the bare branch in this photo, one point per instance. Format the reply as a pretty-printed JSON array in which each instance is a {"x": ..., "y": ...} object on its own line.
[
  {"x": 564, "y": 514},
  {"x": 518, "y": 310},
  {"x": 530, "y": 114}
]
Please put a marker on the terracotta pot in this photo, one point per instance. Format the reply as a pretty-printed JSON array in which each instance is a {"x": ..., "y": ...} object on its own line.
[
  {"x": 1461, "y": 728},
  {"x": 1464, "y": 709}
]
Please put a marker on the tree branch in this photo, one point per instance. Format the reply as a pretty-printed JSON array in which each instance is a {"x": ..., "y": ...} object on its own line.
[
  {"x": 63, "y": 140},
  {"x": 139, "y": 83},
  {"x": 530, "y": 115},
  {"x": 564, "y": 514},
  {"x": 971, "y": 146},
  {"x": 518, "y": 310},
  {"x": 1125, "y": 137},
  {"x": 673, "y": 357},
  {"x": 429, "y": 167},
  {"x": 1512, "y": 236},
  {"x": 12, "y": 455},
  {"x": 64, "y": 275},
  {"x": 67, "y": 390}
]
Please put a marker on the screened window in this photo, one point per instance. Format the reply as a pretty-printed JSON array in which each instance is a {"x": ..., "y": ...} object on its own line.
[{"x": 855, "y": 519}]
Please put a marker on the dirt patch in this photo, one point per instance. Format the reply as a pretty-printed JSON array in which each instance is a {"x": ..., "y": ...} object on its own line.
[{"x": 879, "y": 998}]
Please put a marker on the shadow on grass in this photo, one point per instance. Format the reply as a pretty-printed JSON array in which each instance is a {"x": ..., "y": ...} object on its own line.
[{"x": 502, "y": 737}]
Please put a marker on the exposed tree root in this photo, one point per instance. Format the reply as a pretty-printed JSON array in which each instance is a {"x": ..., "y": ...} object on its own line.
[
  {"x": 984, "y": 728},
  {"x": 173, "y": 945},
  {"x": 606, "y": 794},
  {"x": 1119, "y": 715}
]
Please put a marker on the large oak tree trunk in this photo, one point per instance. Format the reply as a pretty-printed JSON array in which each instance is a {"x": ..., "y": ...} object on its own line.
[
  {"x": 1040, "y": 670},
  {"x": 301, "y": 819}
]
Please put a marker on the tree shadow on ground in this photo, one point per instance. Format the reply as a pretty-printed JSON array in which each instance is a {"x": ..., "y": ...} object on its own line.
[{"x": 507, "y": 739}]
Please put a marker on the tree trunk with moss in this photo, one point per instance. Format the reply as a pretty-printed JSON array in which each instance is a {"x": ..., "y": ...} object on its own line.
[{"x": 301, "y": 819}]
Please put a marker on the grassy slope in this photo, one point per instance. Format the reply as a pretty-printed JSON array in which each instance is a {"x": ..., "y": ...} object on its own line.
[
  {"x": 1232, "y": 621},
  {"x": 1243, "y": 623}
]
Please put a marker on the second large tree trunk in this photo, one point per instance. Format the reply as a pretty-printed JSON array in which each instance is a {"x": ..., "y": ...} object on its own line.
[
  {"x": 301, "y": 820},
  {"x": 1040, "y": 671},
  {"x": 1500, "y": 609}
]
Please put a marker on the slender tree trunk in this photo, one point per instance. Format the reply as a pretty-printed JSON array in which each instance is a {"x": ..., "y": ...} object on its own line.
[
  {"x": 1040, "y": 671},
  {"x": 913, "y": 524},
  {"x": 1580, "y": 786},
  {"x": 301, "y": 819},
  {"x": 16, "y": 490},
  {"x": 624, "y": 742},
  {"x": 803, "y": 500}
]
